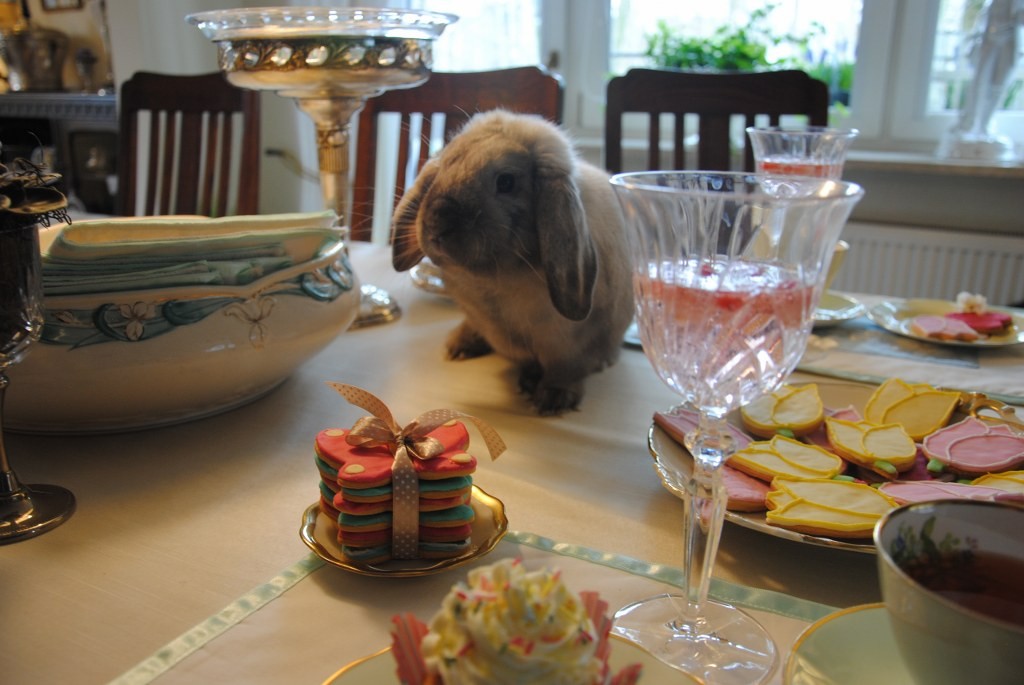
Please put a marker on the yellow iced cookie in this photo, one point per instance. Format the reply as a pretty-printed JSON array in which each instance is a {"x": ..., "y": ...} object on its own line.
[
  {"x": 797, "y": 409},
  {"x": 920, "y": 408},
  {"x": 1011, "y": 481},
  {"x": 782, "y": 456},
  {"x": 820, "y": 506},
  {"x": 886, "y": 449}
]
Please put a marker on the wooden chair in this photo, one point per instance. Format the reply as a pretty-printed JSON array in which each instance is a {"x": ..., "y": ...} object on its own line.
[
  {"x": 715, "y": 98},
  {"x": 456, "y": 96},
  {"x": 195, "y": 160}
]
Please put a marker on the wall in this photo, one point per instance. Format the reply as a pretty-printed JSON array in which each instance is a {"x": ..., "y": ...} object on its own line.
[
  {"x": 152, "y": 35},
  {"x": 82, "y": 27}
]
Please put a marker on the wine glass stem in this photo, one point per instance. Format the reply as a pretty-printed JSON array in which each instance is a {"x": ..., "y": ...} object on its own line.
[
  {"x": 705, "y": 511},
  {"x": 8, "y": 481}
]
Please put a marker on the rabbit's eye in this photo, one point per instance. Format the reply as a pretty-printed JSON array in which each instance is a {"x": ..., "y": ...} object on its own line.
[{"x": 505, "y": 183}]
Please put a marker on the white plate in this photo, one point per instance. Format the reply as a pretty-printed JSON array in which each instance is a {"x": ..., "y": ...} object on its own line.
[
  {"x": 834, "y": 395},
  {"x": 896, "y": 317},
  {"x": 854, "y": 646},
  {"x": 379, "y": 668},
  {"x": 835, "y": 308}
]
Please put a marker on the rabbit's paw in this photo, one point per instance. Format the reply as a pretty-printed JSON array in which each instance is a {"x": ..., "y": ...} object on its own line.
[
  {"x": 466, "y": 343},
  {"x": 553, "y": 400}
]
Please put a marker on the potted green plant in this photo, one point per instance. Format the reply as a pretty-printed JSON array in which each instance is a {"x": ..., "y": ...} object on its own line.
[{"x": 729, "y": 48}]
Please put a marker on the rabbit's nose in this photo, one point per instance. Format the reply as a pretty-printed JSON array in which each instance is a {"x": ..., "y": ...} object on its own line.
[{"x": 449, "y": 216}]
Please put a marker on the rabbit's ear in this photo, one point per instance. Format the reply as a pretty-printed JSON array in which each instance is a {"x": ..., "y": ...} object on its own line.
[
  {"x": 566, "y": 249},
  {"x": 405, "y": 243}
]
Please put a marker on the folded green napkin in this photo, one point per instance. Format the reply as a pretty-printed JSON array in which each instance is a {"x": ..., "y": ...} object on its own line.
[{"x": 156, "y": 252}]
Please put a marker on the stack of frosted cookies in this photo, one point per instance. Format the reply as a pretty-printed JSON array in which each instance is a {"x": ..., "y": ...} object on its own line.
[
  {"x": 400, "y": 492},
  {"x": 357, "y": 491}
]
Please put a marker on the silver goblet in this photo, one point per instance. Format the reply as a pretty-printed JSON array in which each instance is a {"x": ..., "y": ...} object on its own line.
[{"x": 25, "y": 201}]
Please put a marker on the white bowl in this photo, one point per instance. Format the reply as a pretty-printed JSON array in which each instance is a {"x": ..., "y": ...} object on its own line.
[
  {"x": 132, "y": 359},
  {"x": 941, "y": 640}
]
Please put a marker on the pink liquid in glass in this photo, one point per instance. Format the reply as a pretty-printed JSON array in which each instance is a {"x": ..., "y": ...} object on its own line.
[
  {"x": 800, "y": 167},
  {"x": 723, "y": 333}
]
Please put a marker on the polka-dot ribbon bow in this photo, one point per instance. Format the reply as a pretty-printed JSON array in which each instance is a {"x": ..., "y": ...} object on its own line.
[{"x": 381, "y": 430}]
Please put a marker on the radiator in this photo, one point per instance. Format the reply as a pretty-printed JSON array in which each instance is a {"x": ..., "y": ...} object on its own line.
[{"x": 901, "y": 261}]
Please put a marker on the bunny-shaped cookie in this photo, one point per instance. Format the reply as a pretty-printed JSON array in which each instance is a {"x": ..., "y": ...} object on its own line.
[{"x": 531, "y": 245}]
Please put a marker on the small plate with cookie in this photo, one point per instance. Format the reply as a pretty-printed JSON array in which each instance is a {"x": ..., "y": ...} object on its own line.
[
  {"x": 320, "y": 533},
  {"x": 944, "y": 323}
]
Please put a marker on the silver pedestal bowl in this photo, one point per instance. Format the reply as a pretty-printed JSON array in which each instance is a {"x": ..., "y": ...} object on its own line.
[{"x": 330, "y": 60}]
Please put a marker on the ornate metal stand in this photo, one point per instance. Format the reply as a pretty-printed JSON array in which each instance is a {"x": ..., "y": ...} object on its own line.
[{"x": 331, "y": 60}]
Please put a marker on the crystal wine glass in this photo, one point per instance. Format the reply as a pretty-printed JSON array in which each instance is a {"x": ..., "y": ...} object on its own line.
[
  {"x": 809, "y": 151},
  {"x": 728, "y": 269},
  {"x": 25, "y": 510}
]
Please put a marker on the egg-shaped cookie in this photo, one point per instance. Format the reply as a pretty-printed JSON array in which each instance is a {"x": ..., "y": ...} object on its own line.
[
  {"x": 920, "y": 408},
  {"x": 885, "y": 449},
  {"x": 794, "y": 408}
]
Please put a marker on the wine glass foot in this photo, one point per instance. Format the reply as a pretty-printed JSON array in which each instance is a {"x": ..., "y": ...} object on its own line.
[
  {"x": 427, "y": 276},
  {"x": 376, "y": 306},
  {"x": 31, "y": 510},
  {"x": 724, "y": 647}
]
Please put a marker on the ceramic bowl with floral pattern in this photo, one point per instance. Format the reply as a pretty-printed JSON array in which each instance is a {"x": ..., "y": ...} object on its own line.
[{"x": 137, "y": 338}]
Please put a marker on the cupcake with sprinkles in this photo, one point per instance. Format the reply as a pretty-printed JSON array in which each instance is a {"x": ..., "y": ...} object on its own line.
[{"x": 504, "y": 625}]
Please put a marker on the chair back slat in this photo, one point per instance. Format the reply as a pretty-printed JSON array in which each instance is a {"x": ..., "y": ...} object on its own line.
[
  {"x": 209, "y": 163},
  {"x": 714, "y": 98},
  {"x": 197, "y": 164},
  {"x": 187, "y": 175}
]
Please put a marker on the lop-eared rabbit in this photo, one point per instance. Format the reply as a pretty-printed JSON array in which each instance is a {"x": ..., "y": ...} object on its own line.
[{"x": 531, "y": 245}]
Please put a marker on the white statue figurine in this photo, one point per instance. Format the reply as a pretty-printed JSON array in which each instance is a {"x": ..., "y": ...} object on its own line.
[{"x": 993, "y": 55}]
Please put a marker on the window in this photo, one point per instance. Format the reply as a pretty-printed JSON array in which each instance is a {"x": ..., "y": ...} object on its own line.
[
  {"x": 908, "y": 55},
  {"x": 932, "y": 75},
  {"x": 830, "y": 29},
  {"x": 819, "y": 37},
  {"x": 906, "y": 91},
  {"x": 488, "y": 35}
]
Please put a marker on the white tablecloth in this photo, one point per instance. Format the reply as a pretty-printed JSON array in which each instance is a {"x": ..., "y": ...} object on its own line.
[{"x": 175, "y": 524}]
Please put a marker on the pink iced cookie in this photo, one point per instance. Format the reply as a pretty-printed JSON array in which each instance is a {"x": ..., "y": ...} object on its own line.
[
  {"x": 988, "y": 323},
  {"x": 679, "y": 422},
  {"x": 366, "y": 467},
  {"x": 745, "y": 492},
  {"x": 942, "y": 328},
  {"x": 974, "y": 447},
  {"x": 906, "y": 492}
]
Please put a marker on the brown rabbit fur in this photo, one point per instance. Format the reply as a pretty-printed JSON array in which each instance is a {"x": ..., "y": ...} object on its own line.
[{"x": 531, "y": 245}]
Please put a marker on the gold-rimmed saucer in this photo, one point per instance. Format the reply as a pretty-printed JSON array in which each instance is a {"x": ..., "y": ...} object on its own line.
[
  {"x": 379, "y": 668},
  {"x": 490, "y": 525},
  {"x": 854, "y": 646}
]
